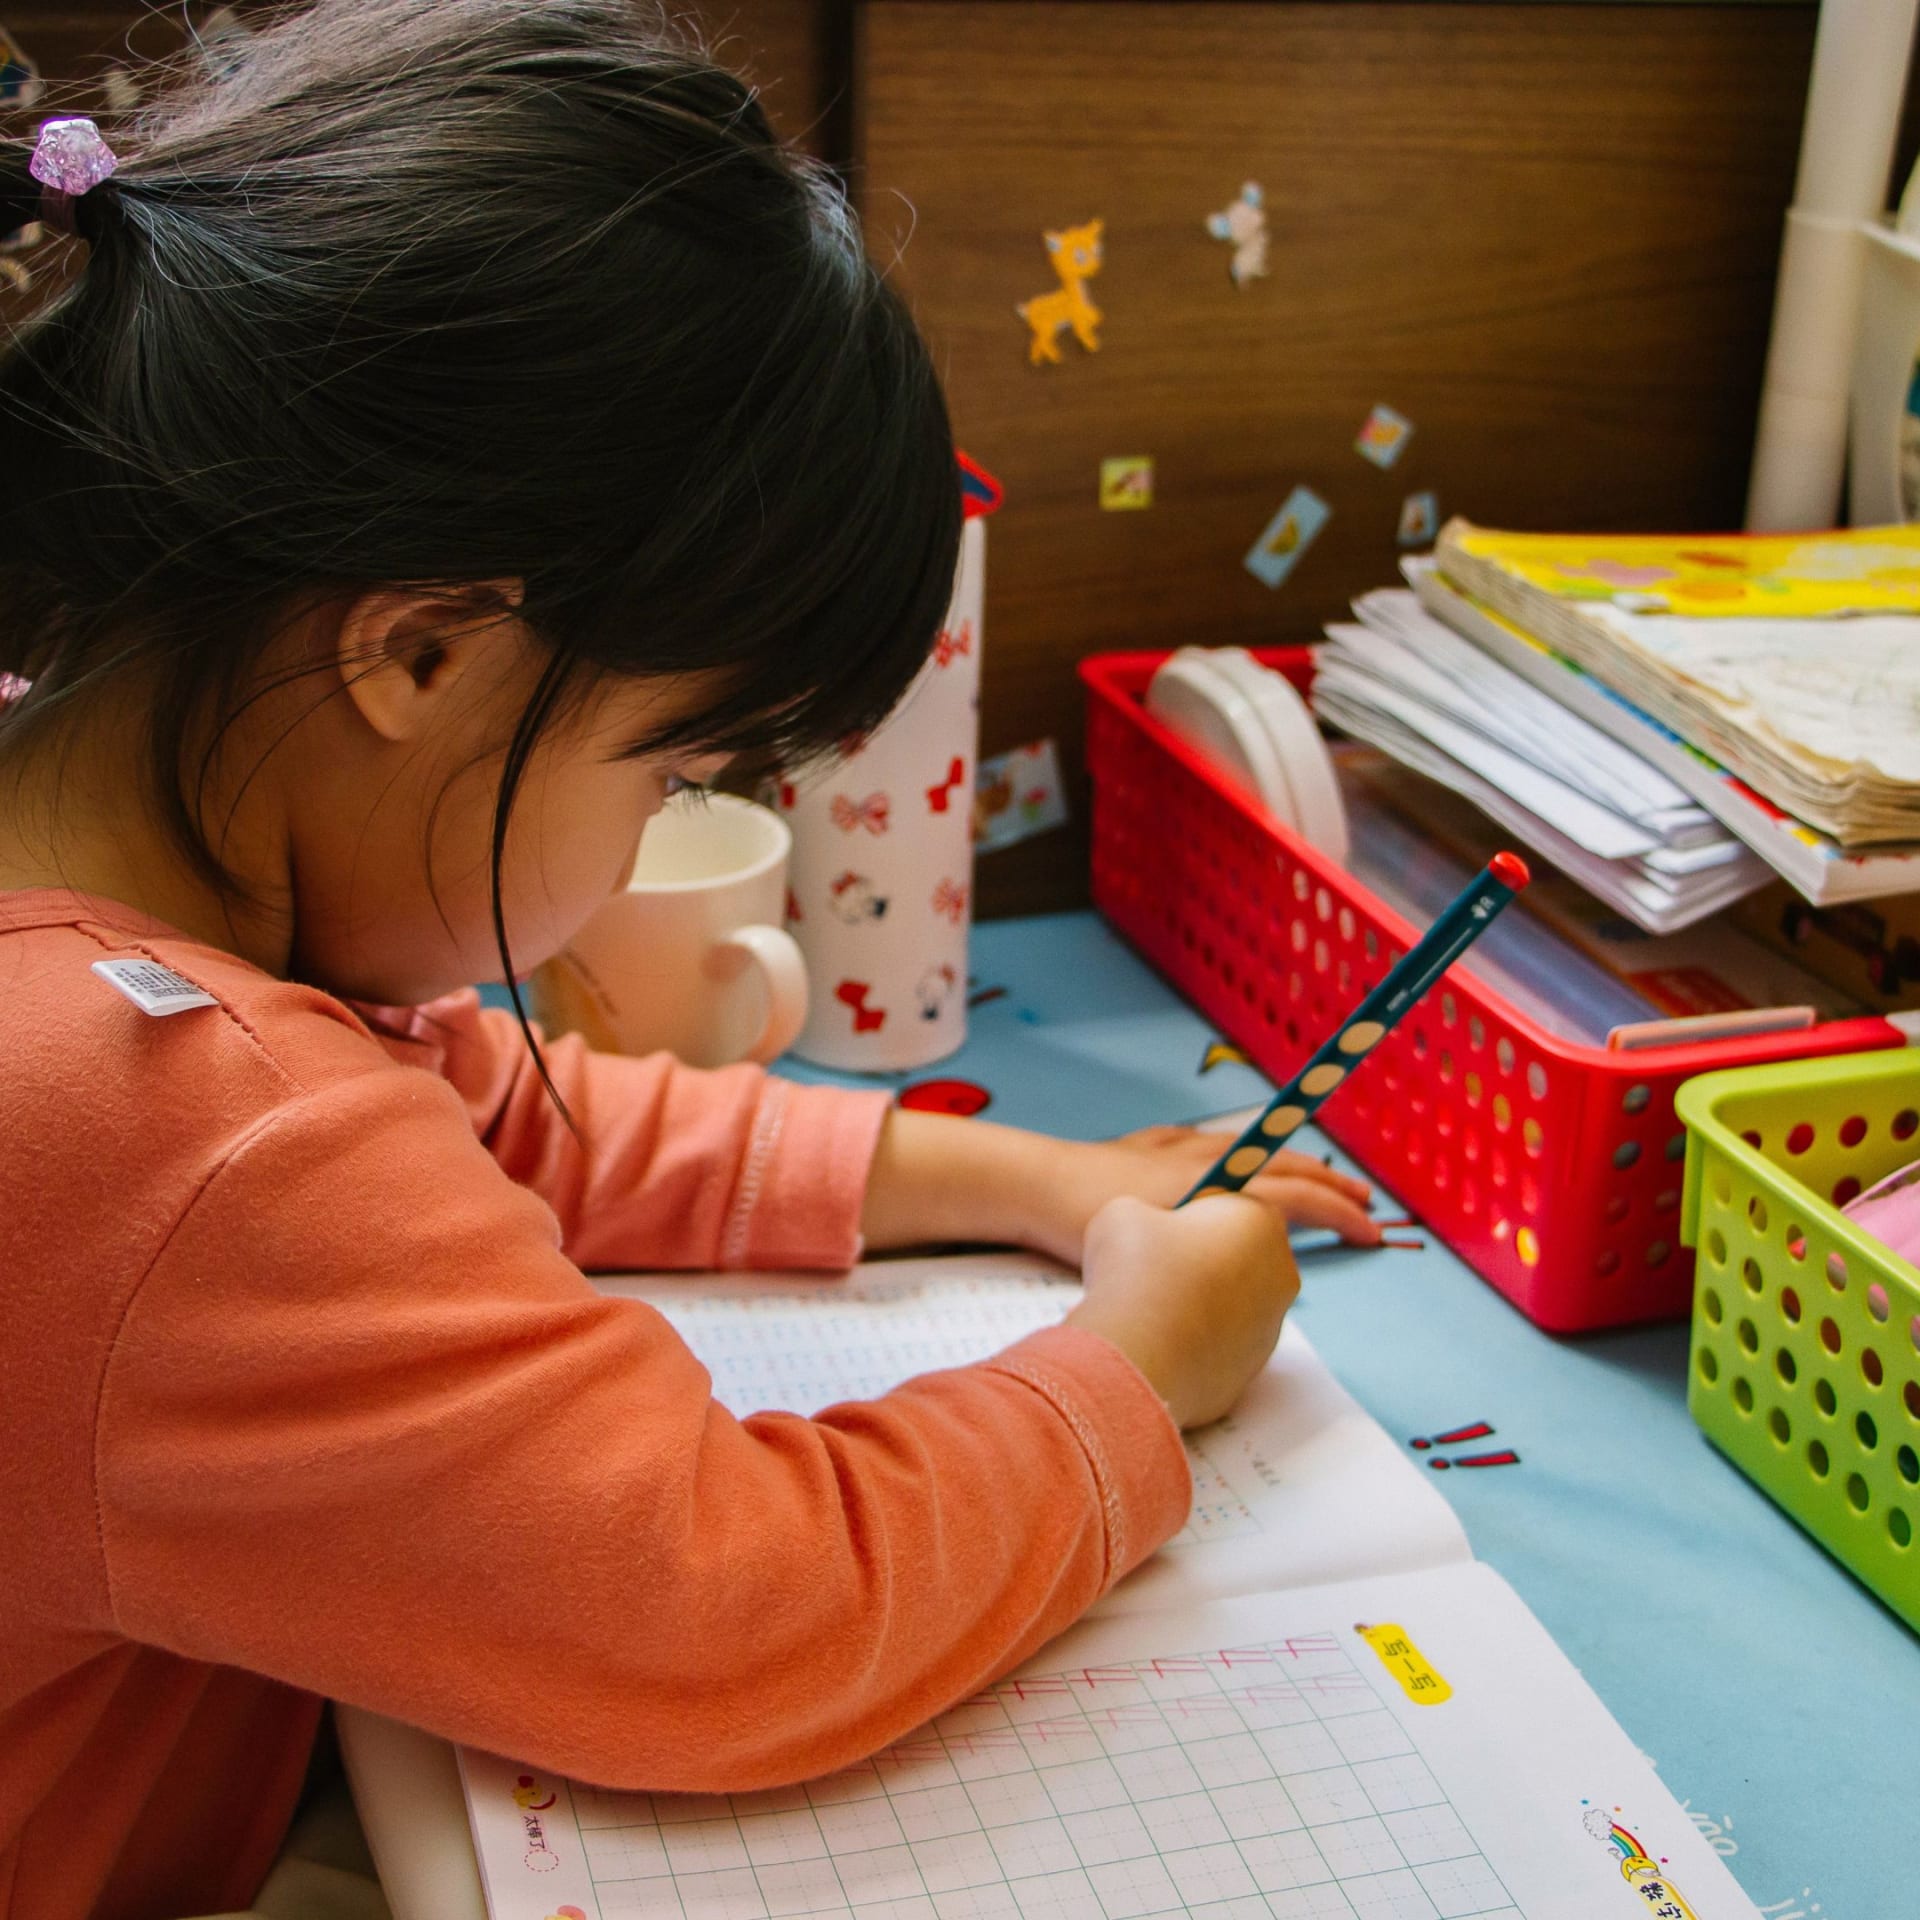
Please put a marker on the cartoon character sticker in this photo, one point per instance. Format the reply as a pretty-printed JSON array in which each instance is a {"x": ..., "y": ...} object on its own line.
[
  {"x": 1383, "y": 436},
  {"x": 19, "y": 74},
  {"x": 1287, "y": 536},
  {"x": 934, "y": 990},
  {"x": 853, "y": 899},
  {"x": 1419, "y": 519},
  {"x": 1076, "y": 254},
  {"x": 1243, "y": 223},
  {"x": 1018, "y": 794},
  {"x": 1645, "y": 1875},
  {"x": 1126, "y": 483}
]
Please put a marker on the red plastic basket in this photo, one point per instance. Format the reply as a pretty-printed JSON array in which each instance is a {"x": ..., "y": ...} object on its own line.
[{"x": 1552, "y": 1169}]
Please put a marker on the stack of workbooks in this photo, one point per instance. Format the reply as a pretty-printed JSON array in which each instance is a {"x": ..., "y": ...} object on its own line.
[
  {"x": 1773, "y": 679},
  {"x": 1405, "y": 682}
]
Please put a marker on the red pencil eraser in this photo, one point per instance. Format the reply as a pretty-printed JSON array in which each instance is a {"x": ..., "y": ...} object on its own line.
[{"x": 1510, "y": 870}]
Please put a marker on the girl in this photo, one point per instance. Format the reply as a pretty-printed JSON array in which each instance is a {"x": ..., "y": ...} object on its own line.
[{"x": 469, "y": 425}]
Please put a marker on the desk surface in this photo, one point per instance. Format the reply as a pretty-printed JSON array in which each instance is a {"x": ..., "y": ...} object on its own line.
[{"x": 1779, "y": 1699}]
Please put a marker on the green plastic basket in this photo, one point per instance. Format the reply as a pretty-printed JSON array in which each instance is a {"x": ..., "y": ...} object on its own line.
[{"x": 1805, "y": 1360}]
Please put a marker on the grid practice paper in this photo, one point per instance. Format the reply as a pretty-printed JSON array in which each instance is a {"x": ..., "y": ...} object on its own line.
[
  {"x": 1297, "y": 1485},
  {"x": 1272, "y": 1758}
]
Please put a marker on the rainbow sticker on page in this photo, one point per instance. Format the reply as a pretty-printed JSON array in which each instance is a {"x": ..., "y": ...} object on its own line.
[{"x": 1645, "y": 1875}]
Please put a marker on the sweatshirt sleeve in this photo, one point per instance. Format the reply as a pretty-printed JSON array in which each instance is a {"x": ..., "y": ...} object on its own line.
[
  {"x": 665, "y": 1165},
  {"x": 365, "y": 1430}
]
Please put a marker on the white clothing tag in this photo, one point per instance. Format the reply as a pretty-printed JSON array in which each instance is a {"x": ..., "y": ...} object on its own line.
[{"x": 153, "y": 988}]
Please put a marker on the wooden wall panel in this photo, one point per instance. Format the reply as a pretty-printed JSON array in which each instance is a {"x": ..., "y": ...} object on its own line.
[
  {"x": 795, "y": 49},
  {"x": 1546, "y": 234}
]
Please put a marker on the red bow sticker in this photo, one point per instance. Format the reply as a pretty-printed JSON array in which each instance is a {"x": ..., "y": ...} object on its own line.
[
  {"x": 854, "y": 994},
  {"x": 937, "y": 796},
  {"x": 870, "y": 813},
  {"x": 949, "y": 647}
]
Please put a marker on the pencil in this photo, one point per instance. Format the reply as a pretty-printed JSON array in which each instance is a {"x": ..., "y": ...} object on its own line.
[{"x": 1424, "y": 962}]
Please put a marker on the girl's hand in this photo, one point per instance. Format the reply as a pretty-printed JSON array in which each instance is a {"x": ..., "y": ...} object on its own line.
[
  {"x": 1160, "y": 1164},
  {"x": 938, "y": 1178},
  {"x": 1194, "y": 1299}
]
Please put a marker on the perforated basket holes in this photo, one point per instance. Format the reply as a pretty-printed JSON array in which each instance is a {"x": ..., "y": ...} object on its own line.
[
  {"x": 1639, "y": 1179},
  {"x": 1834, "y": 1146},
  {"x": 1805, "y": 1355}
]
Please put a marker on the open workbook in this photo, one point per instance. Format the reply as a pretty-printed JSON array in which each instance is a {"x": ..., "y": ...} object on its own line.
[{"x": 1312, "y": 1703}]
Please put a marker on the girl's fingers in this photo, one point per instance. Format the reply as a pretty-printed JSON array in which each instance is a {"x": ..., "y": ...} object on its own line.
[
  {"x": 1207, "y": 1147},
  {"x": 1312, "y": 1203},
  {"x": 1192, "y": 1148},
  {"x": 1303, "y": 1166}
]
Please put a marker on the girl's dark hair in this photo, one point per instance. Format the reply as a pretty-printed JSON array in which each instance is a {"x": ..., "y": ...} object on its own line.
[{"x": 417, "y": 292}]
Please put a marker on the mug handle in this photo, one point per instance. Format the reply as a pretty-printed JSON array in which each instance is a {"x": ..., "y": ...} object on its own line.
[{"x": 777, "y": 956}]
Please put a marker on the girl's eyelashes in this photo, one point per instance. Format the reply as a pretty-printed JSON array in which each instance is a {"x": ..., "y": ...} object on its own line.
[{"x": 679, "y": 783}]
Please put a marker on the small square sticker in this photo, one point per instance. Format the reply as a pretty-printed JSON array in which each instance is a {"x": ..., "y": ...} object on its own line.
[
  {"x": 1126, "y": 484},
  {"x": 1287, "y": 536},
  {"x": 1384, "y": 437},
  {"x": 154, "y": 989},
  {"x": 1017, "y": 795},
  {"x": 1419, "y": 519}
]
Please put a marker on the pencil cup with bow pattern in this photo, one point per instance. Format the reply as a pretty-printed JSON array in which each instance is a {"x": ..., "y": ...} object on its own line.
[{"x": 882, "y": 884}]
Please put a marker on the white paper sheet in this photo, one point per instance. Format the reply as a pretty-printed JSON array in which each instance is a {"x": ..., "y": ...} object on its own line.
[
  {"x": 1252, "y": 1759},
  {"x": 1494, "y": 700},
  {"x": 1298, "y": 1485}
]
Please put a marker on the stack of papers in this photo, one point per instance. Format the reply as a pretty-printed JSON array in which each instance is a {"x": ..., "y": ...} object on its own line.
[
  {"x": 1408, "y": 684},
  {"x": 1794, "y": 660},
  {"x": 1822, "y": 870}
]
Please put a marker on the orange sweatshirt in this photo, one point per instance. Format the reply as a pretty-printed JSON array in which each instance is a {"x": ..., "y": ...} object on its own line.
[{"x": 306, "y": 1396}]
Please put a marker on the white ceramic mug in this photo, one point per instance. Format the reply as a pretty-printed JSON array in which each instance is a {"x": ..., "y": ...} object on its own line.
[{"x": 691, "y": 959}]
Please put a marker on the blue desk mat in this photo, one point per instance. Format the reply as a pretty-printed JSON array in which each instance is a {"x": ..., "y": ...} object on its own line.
[{"x": 1777, "y": 1697}]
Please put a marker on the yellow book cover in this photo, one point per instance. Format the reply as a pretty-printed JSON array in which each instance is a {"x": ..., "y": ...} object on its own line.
[{"x": 1770, "y": 575}]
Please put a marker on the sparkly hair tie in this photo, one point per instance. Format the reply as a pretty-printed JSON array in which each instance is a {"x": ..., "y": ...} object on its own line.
[{"x": 69, "y": 159}]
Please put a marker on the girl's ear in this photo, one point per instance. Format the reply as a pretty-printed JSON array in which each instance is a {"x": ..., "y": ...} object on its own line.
[{"x": 400, "y": 653}]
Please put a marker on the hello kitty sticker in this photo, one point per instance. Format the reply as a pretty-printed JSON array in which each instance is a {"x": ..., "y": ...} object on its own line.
[{"x": 852, "y": 897}]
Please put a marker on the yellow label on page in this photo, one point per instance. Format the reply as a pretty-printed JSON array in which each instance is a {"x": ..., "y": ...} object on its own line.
[{"x": 1407, "y": 1664}]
